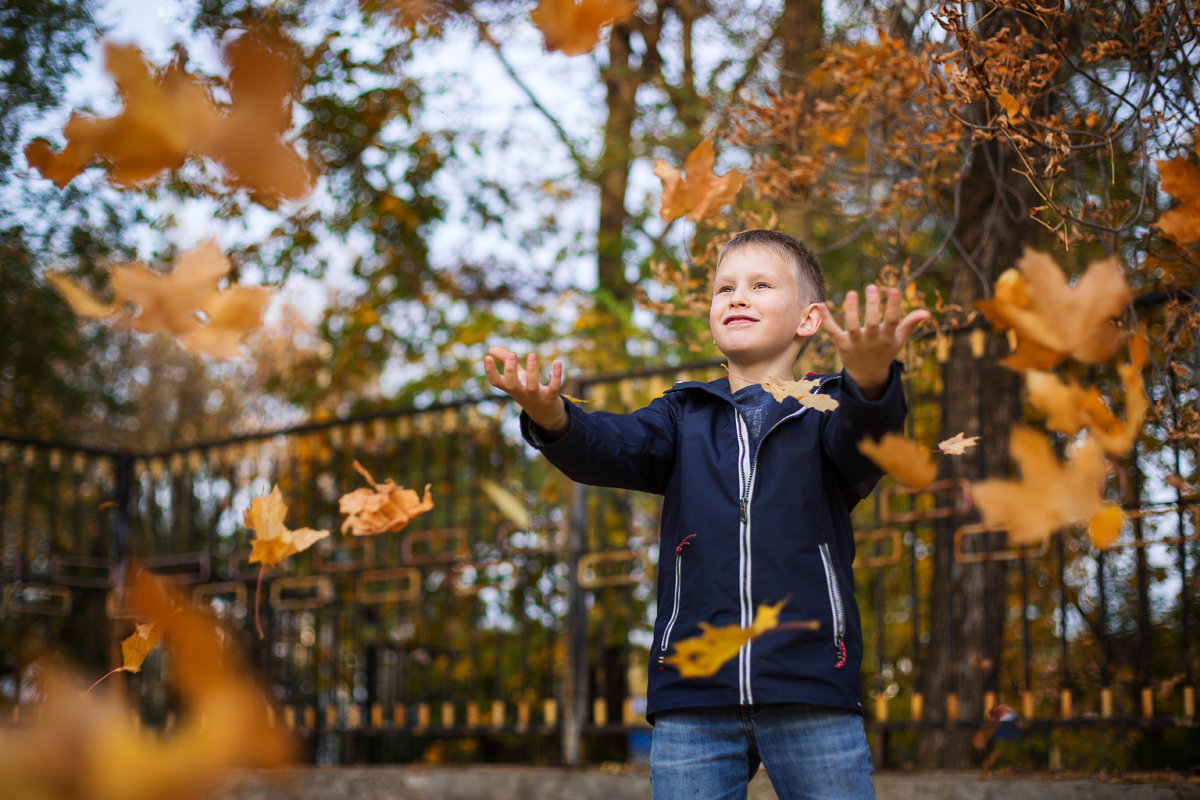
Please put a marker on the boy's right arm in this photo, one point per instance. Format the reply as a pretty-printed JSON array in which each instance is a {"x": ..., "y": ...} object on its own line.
[{"x": 541, "y": 401}]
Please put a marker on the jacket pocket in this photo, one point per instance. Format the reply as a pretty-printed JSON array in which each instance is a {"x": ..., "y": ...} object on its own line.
[
  {"x": 675, "y": 602},
  {"x": 836, "y": 607}
]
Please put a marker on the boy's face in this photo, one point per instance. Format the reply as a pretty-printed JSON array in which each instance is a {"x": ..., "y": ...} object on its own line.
[{"x": 756, "y": 316}]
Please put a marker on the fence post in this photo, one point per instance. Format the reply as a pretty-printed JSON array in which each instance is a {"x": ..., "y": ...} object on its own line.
[{"x": 122, "y": 493}]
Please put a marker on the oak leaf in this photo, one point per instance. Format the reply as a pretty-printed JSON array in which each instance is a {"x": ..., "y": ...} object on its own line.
[
  {"x": 803, "y": 390},
  {"x": 1181, "y": 179},
  {"x": 902, "y": 458},
  {"x": 573, "y": 26},
  {"x": 701, "y": 656},
  {"x": 1048, "y": 495},
  {"x": 957, "y": 444},
  {"x": 700, "y": 194},
  {"x": 1053, "y": 320},
  {"x": 386, "y": 507}
]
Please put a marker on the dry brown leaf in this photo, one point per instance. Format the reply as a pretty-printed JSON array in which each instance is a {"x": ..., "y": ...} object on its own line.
[
  {"x": 231, "y": 315},
  {"x": 384, "y": 508},
  {"x": 702, "y": 655},
  {"x": 1054, "y": 320},
  {"x": 1069, "y": 408},
  {"x": 803, "y": 390},
  {"x": 698, "y": 192},
  {"x": 1181, "y": 179},
  {"x": 79, "y": 299},
  {"x": 902, "y": 458},
  {"x": 1048, "y": 495},
  {"x": 82, "y": 746},
  {"x": 507, "y": 503},
  {"x": 573, "y": 26},
  {"x": 957, "y": 444},
  {"x": 170, "y": 114}
]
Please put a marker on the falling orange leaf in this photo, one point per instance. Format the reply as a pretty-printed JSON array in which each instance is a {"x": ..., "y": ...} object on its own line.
[
  {"x": 1104, "y": 527},
  {"x": 1048, "y": 495},
  {"x": 701, "y": 193},
  {"x": 573, "y": 26},
  {"x": 957, "y": 444},
  {"x": 1181, "y": 179},
  {"x": 1053, "y": 320},
  {"x": 81, "y": 746},
  {"x": 1069, "y": 408},
  {"x": 135, "y": 648},
  {"x": 185, "y": 302},
  {"x": 170, "y": 114},
  {"x": 803, "y": 390},
  {"x": 273, "y": 542},
  {"x": 902, "y": 458},
  {"x": 702, "y": 655},
  {"x": 387, "y": 507}
]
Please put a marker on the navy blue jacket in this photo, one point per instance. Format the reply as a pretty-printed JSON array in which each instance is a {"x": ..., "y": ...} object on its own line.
[{"x": 743, "y": 528}]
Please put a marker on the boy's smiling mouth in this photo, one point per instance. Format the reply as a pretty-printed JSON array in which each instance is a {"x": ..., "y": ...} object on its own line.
[{"x": 739, "y": 319}]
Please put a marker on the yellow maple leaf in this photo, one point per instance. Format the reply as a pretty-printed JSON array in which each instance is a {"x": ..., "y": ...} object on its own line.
[
  {"x": 803, "y": 390},
  {"x": 702, "y": 655},
  {"x": 902, "y": 458},
  {"x": 386, "y": 507},
  {"x": 1048, "y": 495},
  {"x": 697, "y": 192},
  {"x": 507, "y": 503},
  {"x": 231, "y": 314},
  {"x": 573, "y": 26},
  {"x": 273, "y": 542},
  {"x": 1054, "y": 320},
  {"x": 957, "y": 444}
]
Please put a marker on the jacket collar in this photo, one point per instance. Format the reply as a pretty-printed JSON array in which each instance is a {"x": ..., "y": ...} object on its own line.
[{"x": 720, "y": 387}]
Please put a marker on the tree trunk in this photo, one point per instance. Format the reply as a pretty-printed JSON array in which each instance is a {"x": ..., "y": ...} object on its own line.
[
  {"x": 801, "y": 29},
  {"x": 621, "y": 83},
  {"x": 980, "y": 398}
]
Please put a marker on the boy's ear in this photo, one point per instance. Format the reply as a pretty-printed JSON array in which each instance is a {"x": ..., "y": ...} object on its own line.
[{"x": 811, "y": 323}]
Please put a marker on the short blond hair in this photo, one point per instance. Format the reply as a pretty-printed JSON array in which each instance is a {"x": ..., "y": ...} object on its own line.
[{"x": 810, "y": 280}]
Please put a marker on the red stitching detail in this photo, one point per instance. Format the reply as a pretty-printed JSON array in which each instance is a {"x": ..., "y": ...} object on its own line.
[
  {"x": 842, "y": 661},
  {"x": 686, "y": 541}
]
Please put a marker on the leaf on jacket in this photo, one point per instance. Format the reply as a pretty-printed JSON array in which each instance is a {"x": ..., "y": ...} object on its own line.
[
  {"x": 1069, "y": 407},
  {"x": 573, "y": 26},
  {"x": 700, "y": 194},
  {"x": 701, "y": 656},
  {"x": 1180, "y": 178},
  {"x": 170, "y": 115},
  {"x": 957, "y": 444},
  {"x": 803, "y": 390},
  {"x": 185, "y": 302},
  {"x": 93, "y": 746},
  {"x": 1048, "y": 495},
  {"x": 386, "y": 507},
  {"x": 507, "y": 503},
  {"x": 902, "y": 458},
  {"x": 1053, "y": 320}
]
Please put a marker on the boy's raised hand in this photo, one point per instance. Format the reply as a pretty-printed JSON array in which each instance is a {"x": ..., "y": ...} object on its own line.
[
  {"x": 867, "y": 347},
  {"x": 541, "y": 401}
]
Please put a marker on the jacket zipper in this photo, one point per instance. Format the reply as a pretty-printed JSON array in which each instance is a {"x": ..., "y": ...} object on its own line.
[
  {"x": 835, "y": 605},
  {"x": 666, "y": 639}
]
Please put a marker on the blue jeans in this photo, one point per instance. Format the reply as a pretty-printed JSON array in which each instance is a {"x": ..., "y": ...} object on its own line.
[{"x": 809, "y": 752}]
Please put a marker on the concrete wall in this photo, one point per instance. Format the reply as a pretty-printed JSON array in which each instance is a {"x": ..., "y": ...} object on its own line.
[{"x": 623, "y": 783}]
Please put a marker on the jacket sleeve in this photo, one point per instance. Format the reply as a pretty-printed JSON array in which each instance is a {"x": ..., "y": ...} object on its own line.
[
  {"x": 625, "y": 451},
  {"x": 855, "y": 418}
]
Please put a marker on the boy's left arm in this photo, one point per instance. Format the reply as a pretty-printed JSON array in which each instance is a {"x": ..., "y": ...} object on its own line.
[{"x": 871, "y": 399}]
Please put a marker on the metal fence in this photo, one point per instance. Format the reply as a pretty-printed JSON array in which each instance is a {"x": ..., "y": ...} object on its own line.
[{"x": 468, "y": 637}]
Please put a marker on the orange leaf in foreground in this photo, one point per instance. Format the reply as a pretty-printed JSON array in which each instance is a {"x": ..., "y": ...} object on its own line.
[
  {"x": 701, "y": 656},
  {"x": 1069, "y": 408},
  {"x": 81, "y": 746},
  {"x": 231, "y": 315},
  {"x": 573, "y": 26},
  {"x": 273, "y": 542},
  {"x": 385, "y": 508},
  {"x": 803, "y": 390},
  {"x": 78, "y": 298},
  {"x": 701, "y": 193},
  {"x": 957, "y": 444},
  {"x": 1053, "y": 320},
  {"x": 902, "y": 458},
  {"x": 170, "y": 115},
  {"x": 1181, "y": 179},
  {"x": 1048, "y": 495}
]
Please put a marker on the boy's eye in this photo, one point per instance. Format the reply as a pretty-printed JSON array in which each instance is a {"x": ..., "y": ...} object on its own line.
[
  {"x": 724, "y": 289},
  {"x": 762, "y": 285}
]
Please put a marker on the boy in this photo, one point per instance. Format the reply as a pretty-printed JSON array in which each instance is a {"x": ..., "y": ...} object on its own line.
[{"x": 757, "y": 500}]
